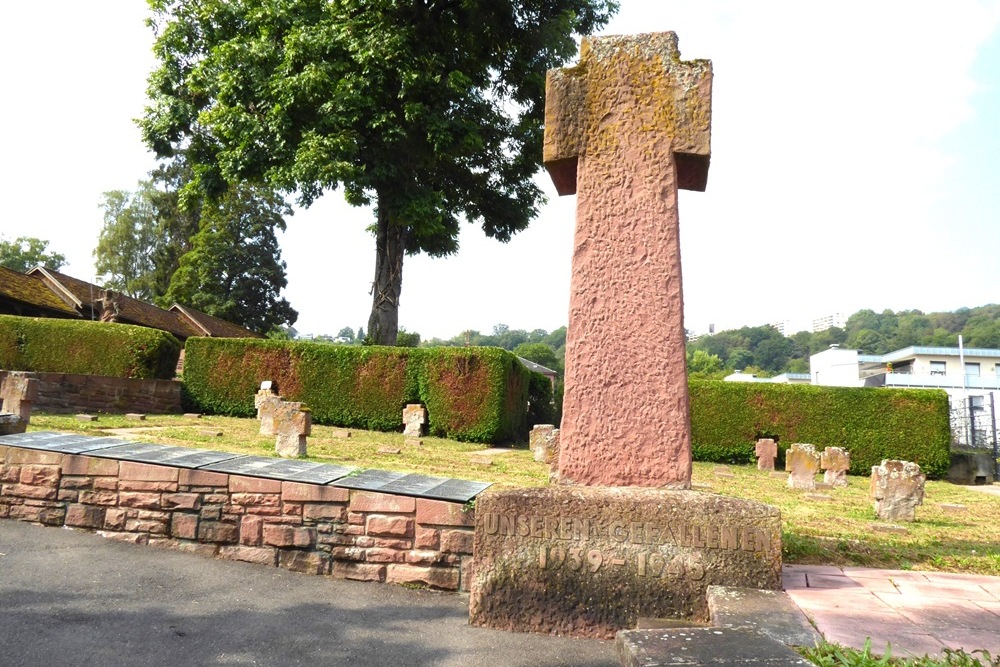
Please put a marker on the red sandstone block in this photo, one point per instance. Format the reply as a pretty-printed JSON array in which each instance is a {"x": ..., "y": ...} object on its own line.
[
  {"x": 240, "y": 484},
  {"x": 3, "y": 452},
  {"x": 99, "y": 497},
  {"x": 52, "y": 516},
  {"x": 287, "y": 536},
  {"x": 250, "y": 501},
  {"x": 146, "y": 526},
  {"x": 348, "y": 553},
  {"x": 356, "y": 518},
  {"x": 138, "y": 499},
  {"x": 10, "y": 473},
  {"x": 443, "y": 513},
  {"x": 181, "y": 501},
  {"x": 216, "y": 499},
  {"x": 142, "y": 485},
  {"x": 131, "y": 538},
  {"x": 248, "y": 554},
  {"x": 426, "y": 538},
  {"x": 467, "y": 573},
  {"x": 389, "y": 526},
  {"x": 359, "y": 571},
  {"x": 18, "y": 456},
  {"x": 251, "y": 530},
  {"x": 296, "y": 492},
  {"x": 184, "y": 526},
  {"x": 387, "y": 543},
  {"x": 385, "y": 556},
  {"x": 336, "y": 539},
  {"x": 106, "y": 483},
  {"x": 213, "y": 531},
  {"x": 422, "y": 557},
  {"x": 152, "y": 514},
  {"x": 352, "y": 530},
  {"x": 202, "y": 478},
  {"x": 364, "y": 541},
  {"x": 203, "y": 550},
  {"x": 40, "y": 475},
  {"x": 309, "y": 562},
  {"x": 368, "y": 501},
  {"x": 71, "y": 495},
  {"x": 147, "y": 472},
  {"x": 25, "y": 491},
  {"x": 291, "y": 509},
  {"x": 114, "y": 518},
  {"x": 446, "y": 578},
  {"x": 88, "y": 465},
  {"x": 76, "y": 482},
  {"x": 457, "y": 541}
]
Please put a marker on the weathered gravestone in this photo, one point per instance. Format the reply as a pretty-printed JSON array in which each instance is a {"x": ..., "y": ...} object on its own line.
[
  {"x": 766, "y": 450},
  {"x": 623, "y": 130},
  {"x": 897, "y": 487},
  {"x": 287, "y": 420},
  {"x": 544, "y": 442},
  {"x": 835, "y": 461},
  {"x": 802, "y": 464},
  {"x": 17, "y": 392},
  {"x": 414, "y": 418}
]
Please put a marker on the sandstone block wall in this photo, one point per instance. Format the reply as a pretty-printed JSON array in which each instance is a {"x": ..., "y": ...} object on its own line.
[
  {"x": 68, "y": 393},
  {"x": 310, "y": 528}
]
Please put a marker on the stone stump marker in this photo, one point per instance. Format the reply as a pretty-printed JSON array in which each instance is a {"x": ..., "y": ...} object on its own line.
[
  {"x": 624, "y": 130},
  {"x": 897, "y": 487},
  {"x": 266, "y": 401},
  {"x": 802, "y": 464},
  {"x": 766, "y": 450},
  {"x": 17, "y": 392},
  {"x": 835, "y": 461},
  {"x": 292, "y": 424},
  {"x": 414, "y": 418}
]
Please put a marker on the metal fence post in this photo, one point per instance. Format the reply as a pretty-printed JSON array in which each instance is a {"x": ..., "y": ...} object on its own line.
[{"x": 996, "y": 453}]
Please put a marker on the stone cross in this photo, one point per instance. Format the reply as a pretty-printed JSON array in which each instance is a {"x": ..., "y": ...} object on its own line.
[
  {"x": 802, "y": 463},
  {"x": 897, "y": 487},
  {"x": 766, "y": 451},
  {"x": 287, "y": 420},
  {"x": 414, "y": 418},
  {"x": 835, "y": 461},
  {"x": 17, "y": 392},
  {"x": 624, "y": 130}
]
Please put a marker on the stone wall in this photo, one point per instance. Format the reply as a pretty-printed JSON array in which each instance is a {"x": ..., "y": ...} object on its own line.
[
  {"x": 310, "y": 528},
  {"x": 67, "y": 393}
]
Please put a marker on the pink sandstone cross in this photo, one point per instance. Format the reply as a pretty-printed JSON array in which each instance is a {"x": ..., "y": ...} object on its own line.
[{"x": 624, "y": 130}]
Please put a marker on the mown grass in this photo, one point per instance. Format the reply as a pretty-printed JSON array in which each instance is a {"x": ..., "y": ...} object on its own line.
[
  {"x": 839, "y": 531},
  {"x": 833, "y": 655}
]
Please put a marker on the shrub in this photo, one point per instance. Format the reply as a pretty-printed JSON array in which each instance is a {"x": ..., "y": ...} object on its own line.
[
  {"x": 872, "y": 424},
  {"x": 86, "y": 348},
  {"x": 475, "y": 394},
  {"x": 541, "y": 409}
]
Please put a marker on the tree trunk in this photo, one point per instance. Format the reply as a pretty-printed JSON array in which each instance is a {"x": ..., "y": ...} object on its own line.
[{"x": 390, "y": 245}]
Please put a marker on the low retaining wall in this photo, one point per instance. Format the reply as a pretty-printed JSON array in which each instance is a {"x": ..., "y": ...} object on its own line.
[
  {"x": 310, "y": 528},
  {"x": 67, "y": 393}
]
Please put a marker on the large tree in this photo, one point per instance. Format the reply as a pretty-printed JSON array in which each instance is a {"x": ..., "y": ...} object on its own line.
[
  {"x": 234, "y": 268},
  {"x": 127, "y": 242},
  {"x": 25, "y": 253},
  {"x": 429, "y": 110}
]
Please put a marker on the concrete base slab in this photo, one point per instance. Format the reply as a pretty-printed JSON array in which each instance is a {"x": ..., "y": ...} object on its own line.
[
  {"x": 770, "y": 613},
  {"x": 692, "y": 647}
]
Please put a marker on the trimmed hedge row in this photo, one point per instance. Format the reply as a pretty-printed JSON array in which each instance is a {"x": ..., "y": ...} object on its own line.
[
  {"x": 86, "y": 348},
  {"x": 472, "y": 394},
  {"x": 873, "y": 424}
]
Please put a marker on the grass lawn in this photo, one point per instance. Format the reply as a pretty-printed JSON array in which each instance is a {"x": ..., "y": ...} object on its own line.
[{"x": 840, "y": 531}]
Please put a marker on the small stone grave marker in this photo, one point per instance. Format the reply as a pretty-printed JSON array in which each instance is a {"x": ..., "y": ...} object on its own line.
[
  {"x": 86, "y": 418},
  {"x": 802, "y": 464},
  {"x": 389, "y": 450},
  {"x": 819, "y": 496},
  {"x": 340, "y": 433},
  {"x": 288, "y": 420},
  {"x": 17, "y": 392},
  {"x": 135, "y": 416},
  {"x": 953, "y": 508},
  {"x": 544, "y": 443},
  {"x": 413, "y": 442},
  {"x": 835, "y": 461},
  {"x": 414, "y": 418},
  {"x": 766, "y": 450},
  {"x": 897, "y": 487},
  {"x": 889, "y": 528},
  {"x": 192, "y": 415}
]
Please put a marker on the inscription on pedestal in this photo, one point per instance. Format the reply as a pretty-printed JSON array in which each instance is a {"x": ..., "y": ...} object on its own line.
[{"x": 591, "y": 561}]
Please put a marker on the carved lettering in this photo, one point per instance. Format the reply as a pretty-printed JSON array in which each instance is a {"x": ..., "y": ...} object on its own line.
[
  {"x": 522, "y": 526},
  {"x": 727, "y": 538},
  {"x": 506, "y": 524},
  {"x": 617, "y": 532},
  {"x": 491, "y": 523}
]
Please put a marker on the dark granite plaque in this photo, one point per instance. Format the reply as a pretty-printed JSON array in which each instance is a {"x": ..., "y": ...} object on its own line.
[
  {"x": 128, "y": 451},
  {"x": 322, "y": 473},
  {"x": 262, "y": 466},
  {"x": 413, "y": 485},
  {"x": 457, "y": 490},
  {"x": 91, "y": 446},
  {"x": 64, "y": 443},
  {"x": 33, "y": 440},
  {"x": 181, "y": 457},
  {"x": 369, "y": 480}
]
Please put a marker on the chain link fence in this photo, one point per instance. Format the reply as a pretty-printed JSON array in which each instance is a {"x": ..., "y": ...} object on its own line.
[{"x": 974, "y": 425}]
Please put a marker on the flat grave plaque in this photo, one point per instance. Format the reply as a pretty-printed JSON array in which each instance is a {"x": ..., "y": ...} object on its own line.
[
  {"x": 323, "y": 473},
  {"x": 262, "y": 466},
  {"x": 64, "y": 443},
  {"x": 243, "y": 465},
  {"x": 181, "y": 457},
  {"x": 457, "y": 490},
  {"x": 369, "y": 480},
  {"x": 413, "y": 485},
  {"x": 128, "y": 451},
  {"x": 33, "y": 440}
]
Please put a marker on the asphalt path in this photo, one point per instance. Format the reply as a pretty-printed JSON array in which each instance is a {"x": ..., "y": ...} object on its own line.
[{"x": 73, "y": 598}]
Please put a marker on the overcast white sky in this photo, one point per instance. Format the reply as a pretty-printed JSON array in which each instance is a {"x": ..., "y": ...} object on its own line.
[{"x": 856, "y": 164}]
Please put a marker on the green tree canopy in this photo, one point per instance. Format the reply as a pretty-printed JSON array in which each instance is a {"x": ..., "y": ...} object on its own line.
[
  {"x": 541, "y": 354},
  {"x": 25, "y": 253},
  {"x": 127, "y": 242},
  {"x": 430, "y": 110},
  {"x": 234, "y": 268}
]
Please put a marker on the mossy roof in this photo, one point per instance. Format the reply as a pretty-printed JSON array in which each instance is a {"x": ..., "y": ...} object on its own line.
[
  {"x": 212, "y": 326},
  {"x": 31, "y": 290}
]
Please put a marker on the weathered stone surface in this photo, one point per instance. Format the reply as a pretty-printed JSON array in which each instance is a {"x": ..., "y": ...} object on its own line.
[
  {"x": 694, "y": 647},
  {"x": 18, "y": 391},
  {"x": 897, "y": 487},
  {"x": 623, "y": 130},
  {"x": 770, "y": 613},
  {"x": 544, "y": 443},
  {"x": 802, "y": 464},
  {"x": 766, "y": 450},
  {"x": 292, "y": 424},
  {"x": 591, "y": 561},
  {"x": 835, "y": 461},
  {"x": 414, "y": 418},
  {"x": 11, "y": 423}
]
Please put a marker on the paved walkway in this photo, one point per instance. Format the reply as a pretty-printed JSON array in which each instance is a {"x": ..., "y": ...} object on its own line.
[{"x": 916, "y": 612}]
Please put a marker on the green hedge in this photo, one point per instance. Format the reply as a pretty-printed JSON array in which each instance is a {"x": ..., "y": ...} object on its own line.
[
  {"x": 87, "y": 348},
  {"x": 473, "y": 394},
  {"x": 872, "y": 424},
  {"x": 541, "y": 409}
]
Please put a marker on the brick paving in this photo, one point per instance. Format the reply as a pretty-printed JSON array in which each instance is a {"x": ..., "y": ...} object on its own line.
[{"x": 917, "y": 613}]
